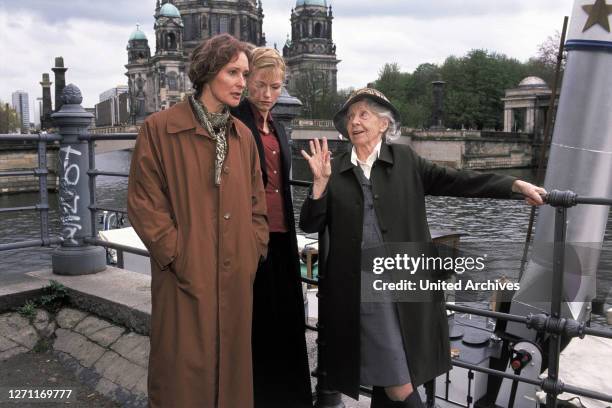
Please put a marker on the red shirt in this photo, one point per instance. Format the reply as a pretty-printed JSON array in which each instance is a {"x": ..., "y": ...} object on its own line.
[{"x": 277, "y": 221}]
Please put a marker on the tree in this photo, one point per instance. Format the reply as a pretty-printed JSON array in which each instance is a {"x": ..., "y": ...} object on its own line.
[
  {"x": 390, "y": 81},
  {"x": 548, "y": 51},
  {"x": 319, "y": 101},
  {"x": 409, "y": 93},
  {"x": 9, "y": 119},
  {"x": 475, "y": 86},
  {"x": 544, "y": 63},
  {"x": 476, "y": 83}
]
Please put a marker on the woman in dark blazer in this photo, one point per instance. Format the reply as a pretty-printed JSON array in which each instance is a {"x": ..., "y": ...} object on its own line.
[
  {"x": 280, "y": 362},
  {"x": 372, "y": 195}
]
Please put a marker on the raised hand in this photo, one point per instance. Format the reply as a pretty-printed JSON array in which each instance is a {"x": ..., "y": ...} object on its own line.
[{"x": 319, "y": 161}]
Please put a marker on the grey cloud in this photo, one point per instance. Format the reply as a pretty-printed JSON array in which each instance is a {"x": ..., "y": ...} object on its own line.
[
  {"x": 133, "y": 11},
  {"x": 110, "y": 11},
  {"x": 430, "y": 9}
]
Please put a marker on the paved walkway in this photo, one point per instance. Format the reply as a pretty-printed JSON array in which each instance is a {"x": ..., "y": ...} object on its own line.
[
  {"x": 107, "y": 347},
  {"x": 45, "y": 370},
  {"x": 106, "y": 357}
]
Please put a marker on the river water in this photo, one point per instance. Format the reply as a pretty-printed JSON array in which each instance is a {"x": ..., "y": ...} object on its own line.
[{"x": 482, "y": 220}]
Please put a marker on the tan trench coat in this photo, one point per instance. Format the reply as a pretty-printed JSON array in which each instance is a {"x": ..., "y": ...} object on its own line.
[{"x": 205, "y": 243}]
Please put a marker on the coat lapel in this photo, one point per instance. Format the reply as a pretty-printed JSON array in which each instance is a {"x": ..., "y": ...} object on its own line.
[
  {"x": 182, "y": 119},
  {"x": 279, "y": 130},
  {"x": 385, "y": 155}
]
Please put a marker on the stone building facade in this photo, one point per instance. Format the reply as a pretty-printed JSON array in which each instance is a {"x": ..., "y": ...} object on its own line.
[
  {"x": 158, "y": 81},
  {"x": 311, "y": 50},
  {"x": 526, "y": 106}
]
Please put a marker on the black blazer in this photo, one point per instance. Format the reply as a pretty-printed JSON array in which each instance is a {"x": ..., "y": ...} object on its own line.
[{"x": 244, "y": 112}]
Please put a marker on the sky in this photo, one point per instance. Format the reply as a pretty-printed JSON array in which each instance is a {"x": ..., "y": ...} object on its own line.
[{"x": 92, "y": 36}]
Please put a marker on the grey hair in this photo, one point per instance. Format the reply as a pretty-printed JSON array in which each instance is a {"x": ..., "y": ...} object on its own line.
[{"x": 393, "y": 132}]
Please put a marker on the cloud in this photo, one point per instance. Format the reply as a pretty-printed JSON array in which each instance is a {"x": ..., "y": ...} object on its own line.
[
  {"x": 93, "y": 51},
  {"x": 92, "y": 36},
  {"x": 431, "y": 9},
  {"x": 369, "y": 34},
  {"x": 110, "y": 11}
]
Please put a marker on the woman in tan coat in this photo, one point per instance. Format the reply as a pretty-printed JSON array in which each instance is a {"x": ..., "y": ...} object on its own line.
[{"x": 197, "y": 201}]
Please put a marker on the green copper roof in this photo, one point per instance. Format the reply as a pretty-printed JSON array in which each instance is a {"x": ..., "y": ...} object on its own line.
[
  {"x": 311, "y": 3},
  {"x": 137, "y": 35},
  {"x": 169, "y": 10}
]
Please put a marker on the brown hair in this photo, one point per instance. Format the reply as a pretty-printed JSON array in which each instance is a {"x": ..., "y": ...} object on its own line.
[{"x": 211, "y": 55}]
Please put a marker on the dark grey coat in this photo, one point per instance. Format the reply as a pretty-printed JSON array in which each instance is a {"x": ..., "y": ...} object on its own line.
[{"x": 400, "y": 181}]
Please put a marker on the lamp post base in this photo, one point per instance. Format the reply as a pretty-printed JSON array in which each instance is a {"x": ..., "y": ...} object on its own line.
[{"x": 78, "y": 260}]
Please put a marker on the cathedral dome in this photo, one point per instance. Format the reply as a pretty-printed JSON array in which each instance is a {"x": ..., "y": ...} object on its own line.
[
  {"x": 322, "y": 3},
  {"x": 137, "y": 35},
  {"x": 169, "y": 10}
]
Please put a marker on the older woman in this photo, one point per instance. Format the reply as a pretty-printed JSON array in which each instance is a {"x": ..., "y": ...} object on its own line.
[
  {"x": 368, "y": 196},
  {"x": 196, "y": 199},
  {"x": 280, "y": 360}
]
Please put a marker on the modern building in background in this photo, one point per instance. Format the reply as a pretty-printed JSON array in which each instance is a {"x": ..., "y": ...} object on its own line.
[
  {"x": 158, "y": 81},
  {"x": 311, "y": 50},
  {"x": 113, "y": 92},
  {"x": 22, "y": 107},
  {"x": 113, "y": 108}
]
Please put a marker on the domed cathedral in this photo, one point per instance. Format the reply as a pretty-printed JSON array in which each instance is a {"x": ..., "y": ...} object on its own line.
[
  {"x": 159, "y": 81},
  {"x": 205, "y": 18},
  {"x": 311, "y": 51}
]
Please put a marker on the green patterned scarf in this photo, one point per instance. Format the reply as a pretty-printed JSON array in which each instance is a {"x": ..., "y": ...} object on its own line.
[{"x": 215, "y": 124}]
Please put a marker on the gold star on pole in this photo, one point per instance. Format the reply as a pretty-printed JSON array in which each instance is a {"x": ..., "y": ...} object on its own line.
[{"x": 598, "y": 14}]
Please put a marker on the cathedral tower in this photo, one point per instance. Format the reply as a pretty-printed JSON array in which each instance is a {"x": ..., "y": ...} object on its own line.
[
  {"x": 159, "y": 81},
  {"x": 311, "y": 50},
  {"x": 138, "y": 81},
  {"x": 169, "y": 62}
]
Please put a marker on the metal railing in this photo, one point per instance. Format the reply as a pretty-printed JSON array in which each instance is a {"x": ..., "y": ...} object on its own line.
[
  {"x": 553, "y": 324},
  {"x": 42, "y": 207}
]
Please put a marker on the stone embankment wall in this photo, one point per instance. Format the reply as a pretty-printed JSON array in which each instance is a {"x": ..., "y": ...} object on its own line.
[
  {"x": 475, "y": 150},
  {"x": 24, "y": 156}
]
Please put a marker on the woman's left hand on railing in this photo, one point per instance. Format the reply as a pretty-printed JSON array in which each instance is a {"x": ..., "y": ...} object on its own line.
[{"x": 532, "y": 193}]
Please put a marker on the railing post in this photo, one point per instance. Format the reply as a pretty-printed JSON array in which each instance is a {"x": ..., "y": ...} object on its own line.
[
  {"x": 326, "y": 398},
  {"x": 74, "y": 257},
  {"x": 555, "y": 307},
  {"x": 42, "y": 173},
  {"x": 286, "y": 109}
]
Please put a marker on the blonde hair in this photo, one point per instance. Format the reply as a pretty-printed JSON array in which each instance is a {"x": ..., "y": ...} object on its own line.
[{"x": 264, "y": 57}]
